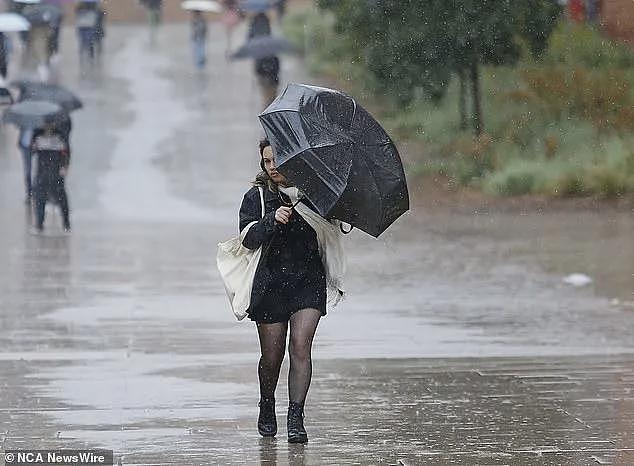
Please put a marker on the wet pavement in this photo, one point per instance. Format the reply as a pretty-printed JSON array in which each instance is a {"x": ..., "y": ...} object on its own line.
[{"x": 459, "y": 342}]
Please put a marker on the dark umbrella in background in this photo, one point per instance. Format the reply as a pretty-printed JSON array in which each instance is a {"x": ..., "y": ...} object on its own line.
[
  {"x": 32, "y": 90},
  {"x": 263, "y": 46},
  {"x": 42, "y": 14},
  {"x": 35, "y": 114},
  {"x": 5, "y": 97},
  {"x": 338, "y": 155}
]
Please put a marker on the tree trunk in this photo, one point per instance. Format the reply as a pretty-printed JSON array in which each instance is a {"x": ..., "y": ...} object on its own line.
[
  {"x": 462, "y": 99},
  {"x": 475, "y": 92}
]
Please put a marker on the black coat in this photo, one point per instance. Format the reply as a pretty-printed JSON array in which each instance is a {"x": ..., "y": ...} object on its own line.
[
  {"x": 3, "y": 55},
  {"x": 260, "y": 26},
  {"x": 290, "y": 252}
]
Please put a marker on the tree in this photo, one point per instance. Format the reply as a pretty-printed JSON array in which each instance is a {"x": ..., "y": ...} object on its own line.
[{"x": 411, "y": 44}]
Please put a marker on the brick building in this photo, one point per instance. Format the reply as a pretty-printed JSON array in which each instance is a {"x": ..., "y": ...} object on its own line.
[{"x": 617, "y": 18}]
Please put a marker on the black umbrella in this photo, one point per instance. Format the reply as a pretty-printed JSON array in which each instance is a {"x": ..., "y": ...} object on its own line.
[
  {"x": 338, "y": 155},
  {"x": 42, "y": 14},
  {"x": 5, "y": 96},
  {"x": 35, "y": 114},
  {"x": 32, "y": 90},
  {"x": 263, "y": 46}
]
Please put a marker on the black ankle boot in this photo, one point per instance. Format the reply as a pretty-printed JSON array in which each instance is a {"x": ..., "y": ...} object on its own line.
[
  {"x": 295, "y": 424},
  {"x": 267, "y": 423}
]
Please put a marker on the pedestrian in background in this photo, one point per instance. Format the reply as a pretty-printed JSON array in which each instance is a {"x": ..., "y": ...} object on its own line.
[
  {"x": 86, "y": 18},
  {"x": 281, "y": 9},
  {"x": 100, "y": 30},
  {"x": 267, "y": 69},
  {"x": 4, "y": 57},
  {"x": 53, "y": 157},
  {"x": 199, "y": 39},
  {"x": 53, "y": 41},
  {"x": 230, "y": 19},
  {"x": 38, "y": 48},
  {"x": 155, "y": 14}
]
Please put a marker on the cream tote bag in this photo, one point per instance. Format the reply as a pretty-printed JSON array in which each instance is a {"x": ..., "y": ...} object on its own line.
[{"x": 237, "y": 265}]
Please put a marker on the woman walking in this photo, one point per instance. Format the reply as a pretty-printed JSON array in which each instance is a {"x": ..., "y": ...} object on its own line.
[{"x": 301, "y": 268}]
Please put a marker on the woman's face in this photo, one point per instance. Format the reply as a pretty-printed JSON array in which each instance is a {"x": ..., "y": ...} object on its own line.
[{"x": 269, "y": 165}]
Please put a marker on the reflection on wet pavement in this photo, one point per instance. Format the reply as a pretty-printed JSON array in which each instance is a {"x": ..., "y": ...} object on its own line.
[{"x": 459, "y": 342}]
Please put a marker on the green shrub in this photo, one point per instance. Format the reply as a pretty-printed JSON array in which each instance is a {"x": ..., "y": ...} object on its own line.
[
  {"x": 518, "y": 177},
  {"x": 582, "y": 45}
]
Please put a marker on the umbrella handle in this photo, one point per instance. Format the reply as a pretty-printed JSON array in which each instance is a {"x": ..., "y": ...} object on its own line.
[{"x": 344, "y": 231}]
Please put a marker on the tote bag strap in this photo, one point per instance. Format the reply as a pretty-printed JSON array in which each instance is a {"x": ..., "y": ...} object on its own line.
[{"x": 261, "y": 199}]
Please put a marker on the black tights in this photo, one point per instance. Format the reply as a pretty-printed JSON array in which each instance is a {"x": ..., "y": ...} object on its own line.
[{"x": 272, "y": 346}]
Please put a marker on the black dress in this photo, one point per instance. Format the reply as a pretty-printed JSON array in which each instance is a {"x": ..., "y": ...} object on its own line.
[{"x": 290, "y": 276}]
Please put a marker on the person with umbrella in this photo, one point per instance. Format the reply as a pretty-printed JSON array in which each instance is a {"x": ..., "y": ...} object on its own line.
[
  {"x": 87, "y": 17},
  {"x": 230, "y": 19},
  {"x": 51, "y": 147},
  {"x": 280, "y": 6},
  {"x": 42, "y": 18},
  {"x": 326, "y": 158},
  {"x": 43, "y": 123},
  {"x": 267, "y": 68},
  {"x": 9, "y": 22},
  {"x": 199, "y": 27},
  {"x": 155, "y": 13},
  {"x": 199, "y": 38},
  {"x": 300, "y": 271},
  {"x": 100, "y": 29},
  {"x": 53, "y": 42},
  {"x": 49, "y": 93}
]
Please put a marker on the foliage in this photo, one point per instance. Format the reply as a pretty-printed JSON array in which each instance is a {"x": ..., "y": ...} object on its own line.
[
  {"x": 560, "y": 125},
  {"x": 409, "y": 45}
]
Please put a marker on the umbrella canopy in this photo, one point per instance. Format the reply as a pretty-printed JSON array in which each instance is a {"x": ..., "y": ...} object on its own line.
[
  {"x": 5, "y": 96},
  {"x": 34, "y": 114},
  {"x": 256, "y": 5},
  {"x": 32, "y": 90},
  {"x": 28, "y": 2},
  {"x": 263, "y": 46},
  {"x": 42, "y": 14},
  {"x": 338, "y": 155},
  {"x": 202, "y": 5},
  {"x": 13, "y": 22}
]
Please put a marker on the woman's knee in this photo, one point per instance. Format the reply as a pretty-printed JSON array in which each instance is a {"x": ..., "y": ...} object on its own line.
[
  {"x": 272, "y": 360},
  {"x": 299, "y": 349}
]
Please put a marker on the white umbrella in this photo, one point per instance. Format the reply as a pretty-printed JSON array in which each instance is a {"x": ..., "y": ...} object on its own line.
[
  {"x": 202, "y": 5},
  {"x": 27, "y": 1},
  {"x": 13, "y": 22}
]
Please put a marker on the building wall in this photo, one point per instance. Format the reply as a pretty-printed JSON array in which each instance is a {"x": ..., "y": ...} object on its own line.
[{"x": 617, "y": 18}]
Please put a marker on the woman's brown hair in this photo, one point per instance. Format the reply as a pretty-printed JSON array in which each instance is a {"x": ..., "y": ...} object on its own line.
[{"x": 263, "y": 178}]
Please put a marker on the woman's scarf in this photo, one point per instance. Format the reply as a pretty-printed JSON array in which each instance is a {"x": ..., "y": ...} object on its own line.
[{"x": 329, "y": 240}]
